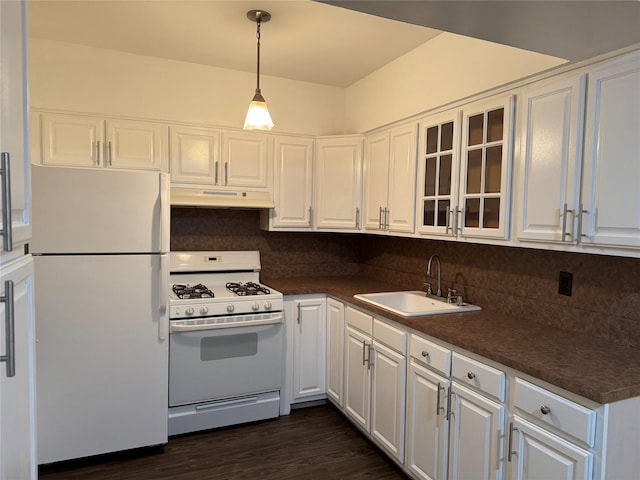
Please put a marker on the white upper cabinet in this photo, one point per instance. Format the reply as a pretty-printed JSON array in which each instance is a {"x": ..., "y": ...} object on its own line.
[
  {"x": 438, "y": 172},
  {"x": 293, "y": 177},
  {"x": 389, "y": 180},
  {"x": 610, "y": 212},
  {"x": 245, "y": 160},
  {"x": 194, "y": 155},
  {"x": 550, "y": 160},
  {"x": 15, "y": 191},
  {"x": 86, "y": 141},
  {"x": 338, "y": 183},
  {"x": 485, "y": 173}
]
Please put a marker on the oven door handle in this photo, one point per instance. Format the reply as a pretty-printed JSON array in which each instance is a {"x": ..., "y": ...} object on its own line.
[{"x": 177, "y": 327}]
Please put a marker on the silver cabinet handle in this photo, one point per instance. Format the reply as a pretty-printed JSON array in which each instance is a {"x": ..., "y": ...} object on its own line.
[
  {"x": 7, "y": 239},
  {"x": 380, "y": 219},
  {"x": 438, "y": 407},
  {"x": 510, "y": 442},
  {"x": 310, "y": 216},
  {"x": 565, "y": 211},
  {"x": 449, "y": 403},
  {"x": 226, "y": 173},
  {"x": 581, "y": 212},
  {"x": 98, "y": 152},
  {"x": 364, "y": 346},
  {"x": 369, "y": 362},
  {"x": 386, "y": 219},
  {"x": 215, "y": 181},
  {"x": 299, "y": 314},
  {"x": 457, "y": 217},
  {"x": 357, "y": 218},
  {"x": 471, "y": 375},
  {"x": 9, "y": 319},
  {"x": 425, "y": 354},
  {"x": 110, "y": 154},
  {"x": 447, "y": 222},
  {"x": 544, "y": 409}
]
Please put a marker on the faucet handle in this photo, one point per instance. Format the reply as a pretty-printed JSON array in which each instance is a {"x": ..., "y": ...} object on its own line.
[
  {"x": 428, "y": 285},
  {"x": 451, "y": 295}
]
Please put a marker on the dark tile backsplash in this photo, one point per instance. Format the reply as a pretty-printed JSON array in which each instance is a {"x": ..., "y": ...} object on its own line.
[{"x": 605, "y": 301}]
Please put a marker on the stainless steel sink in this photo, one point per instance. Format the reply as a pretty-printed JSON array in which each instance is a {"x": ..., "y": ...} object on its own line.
[{"x": 413, "y": 303}]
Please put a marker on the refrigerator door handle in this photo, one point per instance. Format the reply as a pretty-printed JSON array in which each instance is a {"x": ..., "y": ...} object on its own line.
[
  {"x": 163, "y": 296},
  {"x": 164, "y": 213}
]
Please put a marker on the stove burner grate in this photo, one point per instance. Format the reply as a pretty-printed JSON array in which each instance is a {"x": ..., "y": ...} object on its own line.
[
  {"x": 195, "y": 291},
  {"x": 246, "y": 289}
]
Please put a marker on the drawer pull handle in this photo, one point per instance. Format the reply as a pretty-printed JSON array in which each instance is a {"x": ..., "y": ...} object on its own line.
[
  {"x": 425, "y": 354},
  {"x": 471, "y": 375},
  {"x": 544, "y": 409}
]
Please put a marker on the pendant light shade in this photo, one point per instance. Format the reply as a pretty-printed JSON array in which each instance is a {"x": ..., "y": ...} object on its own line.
[{"x": 258, "y": 117}]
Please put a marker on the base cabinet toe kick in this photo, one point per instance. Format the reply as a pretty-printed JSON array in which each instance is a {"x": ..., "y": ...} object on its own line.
[{"x": 443, "y": 413}]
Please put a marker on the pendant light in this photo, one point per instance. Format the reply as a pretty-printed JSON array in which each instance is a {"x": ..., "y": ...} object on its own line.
[{"x": 258, "y": 117}]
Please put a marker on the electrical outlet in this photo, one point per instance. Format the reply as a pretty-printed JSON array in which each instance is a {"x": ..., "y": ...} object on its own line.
[{"x": 565, "y": 282}]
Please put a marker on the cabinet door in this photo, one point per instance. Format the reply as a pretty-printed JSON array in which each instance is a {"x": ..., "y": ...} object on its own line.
[
  {"x": 245, "y": 160},
  {"x": 293, "y": 182},
  {"x": 486, "y": 168},
  {"x": 134, "y": 144},
  {"x": 376, "y": 181},
  {"x": 549, "y": 167},
  {"x": 611, "y": 184},
  {"x": 13, "y": 117},
  {"x": 335, "y": 350},
  {"x": 402, "y": 180},
  {"x": 194, "y": 155},
  {"x": 477, "y": 434},
  {"x": 357, "y": 376},
  {"x": 309, "y": 345},
  {"x": 438, "y": 173},
  {"x": 17, "y": 408},
  {"x": 337, "y": 177},
  {"x": 539, "y": 454},
  {"x": 388, "y": 399},
  {"x": 427, "y": 424},
  {"x": 73, "y": 140}
]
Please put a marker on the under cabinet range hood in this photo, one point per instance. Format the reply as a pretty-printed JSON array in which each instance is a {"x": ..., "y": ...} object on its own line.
[{"x": 197, "y": 197}]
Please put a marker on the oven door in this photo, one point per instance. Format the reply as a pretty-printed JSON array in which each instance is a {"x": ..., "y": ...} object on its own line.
[{"x": 225, "y": 357}]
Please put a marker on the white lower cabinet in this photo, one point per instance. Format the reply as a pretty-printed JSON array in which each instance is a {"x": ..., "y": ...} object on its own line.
[
  {"x": 374, "y": 379},
  {"x": 537, "y": 454},
  {"x": 305, "y": 318},
  {"x": 427, "y": 423},
  {"x": 335, "y": 351}
]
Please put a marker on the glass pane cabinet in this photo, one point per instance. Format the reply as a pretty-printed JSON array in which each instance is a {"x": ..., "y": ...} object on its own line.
[{"x": 464, "y": 171}]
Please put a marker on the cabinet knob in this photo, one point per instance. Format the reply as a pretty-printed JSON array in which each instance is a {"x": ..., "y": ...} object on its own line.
[
  {"x": 471, "y": 375},
  {"x": 544, "y": 409},
  {"x": 425, "y": 354}
]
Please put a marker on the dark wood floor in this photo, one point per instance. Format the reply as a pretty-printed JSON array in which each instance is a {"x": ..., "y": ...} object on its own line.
[{"x": 311, "y": 443}]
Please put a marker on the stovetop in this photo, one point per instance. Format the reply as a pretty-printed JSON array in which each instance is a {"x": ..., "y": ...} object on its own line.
[{"x": 219, "y": 283}]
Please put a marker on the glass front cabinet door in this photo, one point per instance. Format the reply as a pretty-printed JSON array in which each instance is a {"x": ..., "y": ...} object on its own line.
[{"x": 465, "y": 171}]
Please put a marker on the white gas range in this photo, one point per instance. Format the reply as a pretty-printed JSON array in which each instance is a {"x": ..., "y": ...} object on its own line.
[{"x": 226, "y": 343}]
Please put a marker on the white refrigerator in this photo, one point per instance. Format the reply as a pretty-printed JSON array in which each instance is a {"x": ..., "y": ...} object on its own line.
[{"x": 100, "y": 247}]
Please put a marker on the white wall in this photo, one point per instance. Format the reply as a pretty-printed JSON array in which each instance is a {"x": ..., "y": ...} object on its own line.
[
  {"x": 72, "y": 77},
  {"x": 445, "y": 69}
]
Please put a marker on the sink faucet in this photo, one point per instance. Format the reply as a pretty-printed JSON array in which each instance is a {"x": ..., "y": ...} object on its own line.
[{"x": 437, "y": 258}]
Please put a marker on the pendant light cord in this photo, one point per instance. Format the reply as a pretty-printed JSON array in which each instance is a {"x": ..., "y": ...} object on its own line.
[{"x": 258, "y": 22}]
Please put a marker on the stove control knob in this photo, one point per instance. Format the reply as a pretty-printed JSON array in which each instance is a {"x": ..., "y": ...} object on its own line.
[
  {"x": 203, "y": 310},
  {"x": 267, "y": 306},
  {"x": 255, "y": 306},
  {"x": 189, "y": 311},
  {"x": 230, "y": 308}
]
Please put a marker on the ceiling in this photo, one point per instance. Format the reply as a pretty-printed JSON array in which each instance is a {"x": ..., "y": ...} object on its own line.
[
  {"x": 305, "y": 40},
  {"x": 573, "y": 30}
]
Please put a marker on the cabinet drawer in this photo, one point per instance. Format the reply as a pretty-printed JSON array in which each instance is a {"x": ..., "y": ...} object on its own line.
[
  {"x": 390, "y": 336},
  {"x": 430, "y": 354},
  {"x": 478, "y": 375},
  {"x": 565, "y": 415},
  {"x": 360, "y": 320}
]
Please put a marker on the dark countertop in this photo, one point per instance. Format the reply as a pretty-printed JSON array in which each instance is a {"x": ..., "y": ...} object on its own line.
[{"x": 590, "y": 367}]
